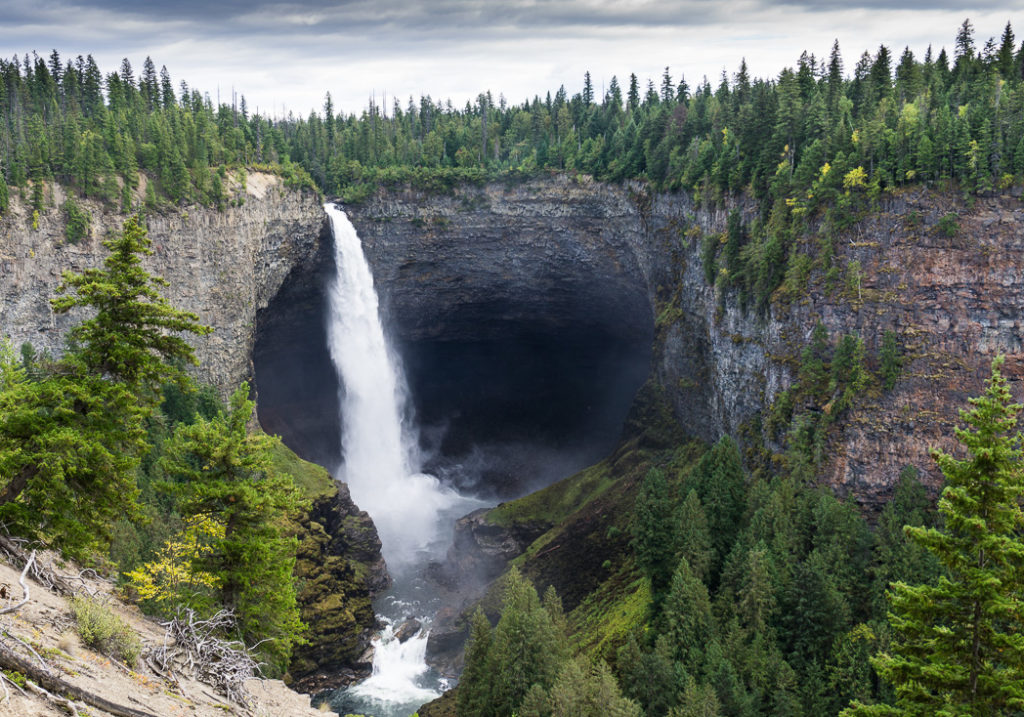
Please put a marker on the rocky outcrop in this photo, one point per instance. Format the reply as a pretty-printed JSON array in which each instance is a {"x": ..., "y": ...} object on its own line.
[
  {"x": 223, "y": 265},
  {"x": 340, "y": 570},
  {"x": 227, "y": 267},
  {"x": 574, "y": 255}
]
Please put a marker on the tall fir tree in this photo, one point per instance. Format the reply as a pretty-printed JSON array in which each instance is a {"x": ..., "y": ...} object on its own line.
[{"x": 959, "y": 643}]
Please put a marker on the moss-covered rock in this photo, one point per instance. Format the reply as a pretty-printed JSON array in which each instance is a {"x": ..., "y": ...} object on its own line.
[{"x": 340, "y": 570}]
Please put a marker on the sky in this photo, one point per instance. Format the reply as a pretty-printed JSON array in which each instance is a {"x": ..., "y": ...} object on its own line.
[{"x": 286, "y": 55}]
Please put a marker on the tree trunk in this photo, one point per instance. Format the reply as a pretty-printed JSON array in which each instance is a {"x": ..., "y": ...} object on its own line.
[{"x": 17, "y": 484}]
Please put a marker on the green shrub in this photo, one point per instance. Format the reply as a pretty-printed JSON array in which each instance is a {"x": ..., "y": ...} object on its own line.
[
  {"x": 949, "y": 225},
  {"x": 104, "y": 631},
  {"x": 78, "y": 221}
]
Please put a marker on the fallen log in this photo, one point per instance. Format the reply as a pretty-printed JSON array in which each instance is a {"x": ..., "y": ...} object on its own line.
[{"x": 47, "y": 680}]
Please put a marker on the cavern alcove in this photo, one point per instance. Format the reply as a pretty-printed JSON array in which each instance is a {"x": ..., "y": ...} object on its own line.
[{"x": 517, "y": 381}]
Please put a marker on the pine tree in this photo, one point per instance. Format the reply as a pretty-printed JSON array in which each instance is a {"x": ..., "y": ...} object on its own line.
[
  {"x": 223, "y": 472},
  {"x": 959, "y": 645},
  {"x": 589, "y": 690},
  {"x": 653, "y": 539},
  {"x": 134, "y": 338},
  {"x": 70, "y": 442},
  {"x": 526, "y": 648},
  {"x": 688, "y": 619},
  {"x": 474, "y": 694}
]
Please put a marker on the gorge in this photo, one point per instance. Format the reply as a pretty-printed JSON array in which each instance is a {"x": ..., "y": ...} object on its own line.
[{"x": 528, "y": 314}]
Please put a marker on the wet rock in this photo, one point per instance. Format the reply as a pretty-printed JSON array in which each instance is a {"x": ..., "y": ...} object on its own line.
[
  {"x": 340, "y": 570},
  {"x": 407, "y": 629}
]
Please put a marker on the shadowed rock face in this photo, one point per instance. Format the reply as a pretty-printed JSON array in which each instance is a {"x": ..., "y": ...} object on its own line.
[
  {"x": 292, "y": 369},
  {"x": 524, "y": 329}
]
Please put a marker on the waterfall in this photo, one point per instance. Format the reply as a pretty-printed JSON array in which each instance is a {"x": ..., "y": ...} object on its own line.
[
  {"x": 382, "y": 468},
  {"x": 381, "y": 464}
]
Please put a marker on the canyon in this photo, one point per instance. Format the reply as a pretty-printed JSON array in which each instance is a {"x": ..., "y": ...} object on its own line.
[{"x": 529, "y": 313}]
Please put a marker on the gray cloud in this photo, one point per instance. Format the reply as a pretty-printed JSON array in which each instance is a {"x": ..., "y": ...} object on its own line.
[{"x": 292, "y": 51}]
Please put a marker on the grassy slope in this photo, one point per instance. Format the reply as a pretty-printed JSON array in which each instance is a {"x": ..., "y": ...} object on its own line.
[{"x": 586, "y": 554}]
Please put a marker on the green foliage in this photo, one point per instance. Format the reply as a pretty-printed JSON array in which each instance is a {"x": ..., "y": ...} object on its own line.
[
  {"x": 653, "y": 533},
  {"x": 958, "y": 646},
  {"x": 224, "y": 473},
  {"x": 474, "y": 694},
  {"x": 104, "y": 631},
  {"x": 582, "y": 689},
  {"x": 891, "y": 360},
  {"x": 525, "y": 649},
  {"x": 708, "y": 257},
  {"x": 133, "y": 338},
  {"x": 948, "y": 225},
  {"x": 78, "y": 221},
  {"x": 70, "y": 440}
]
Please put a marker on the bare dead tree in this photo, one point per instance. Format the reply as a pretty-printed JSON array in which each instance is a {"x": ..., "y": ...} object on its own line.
[{"x": 199, "y": 649}]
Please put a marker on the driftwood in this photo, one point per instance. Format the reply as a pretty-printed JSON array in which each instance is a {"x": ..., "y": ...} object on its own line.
[
  {"x": 24, "y": 586},
  {"x": 199, "y": 650},
  {"x": 45, "y": 576},
  {"x": 50, "y": 682}
]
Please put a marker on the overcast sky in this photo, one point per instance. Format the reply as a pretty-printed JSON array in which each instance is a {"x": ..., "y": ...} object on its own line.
[{"x": 288, "y": 54}]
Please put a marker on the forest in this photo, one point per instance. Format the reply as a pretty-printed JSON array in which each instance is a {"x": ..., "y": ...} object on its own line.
[
  {"x": 764, "y": 594},
  {"x": 818, "y": 140}
]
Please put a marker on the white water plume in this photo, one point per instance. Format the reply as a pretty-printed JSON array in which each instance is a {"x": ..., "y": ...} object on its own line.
[
  {"x": 397, "y": 670},
  {"x": 381, "y": 457}
]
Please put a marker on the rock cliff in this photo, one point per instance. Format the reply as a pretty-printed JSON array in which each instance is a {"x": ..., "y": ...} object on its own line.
[
  {"x": 223, "y": 265},
  {"x": 575, "y": 264},
  {"x": 227, "y": 267}
]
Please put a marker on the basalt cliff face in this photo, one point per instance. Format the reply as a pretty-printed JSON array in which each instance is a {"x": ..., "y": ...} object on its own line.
[
  {"x": 223, "y": 265},
  {"x": 564, "y": 265}
]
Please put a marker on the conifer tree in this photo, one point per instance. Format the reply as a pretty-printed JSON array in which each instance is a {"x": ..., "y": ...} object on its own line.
[
  {"x": 223, "y": 472},
  {"x": 474, "y": 694},
  {"x": 959, "y": 645},
  {"x": 526, "y": 648},
  {"x": 69, "y": 442}
]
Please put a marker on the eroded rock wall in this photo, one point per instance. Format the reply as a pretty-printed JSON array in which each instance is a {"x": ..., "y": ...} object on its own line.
[
  {"x": 223, "y": 265},
  {"x": 492, "y": 253}
]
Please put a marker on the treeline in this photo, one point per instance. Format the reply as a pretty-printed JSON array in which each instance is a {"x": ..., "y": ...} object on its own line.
[
  {"x": 902, "y": 119},
  {"x": 806, "y": 136},
  {"x": 68, "y": 122}
]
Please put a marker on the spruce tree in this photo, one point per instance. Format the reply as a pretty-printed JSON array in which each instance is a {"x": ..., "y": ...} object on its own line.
[
  {"x": 134, "y": 336},
  {"x": 526, "y": 648},
  {"x": 474, "y": 694},
  {"x": 223, "y": 472},
  {"x": 70, "y": 441},
  {"x": 959, "y": 644}
]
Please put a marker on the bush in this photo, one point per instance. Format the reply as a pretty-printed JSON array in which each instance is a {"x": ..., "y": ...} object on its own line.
[
  {"x": 949, "y": 225},
  {"x": 78, "y": 221},
  {"x": 104, "y": 631}
]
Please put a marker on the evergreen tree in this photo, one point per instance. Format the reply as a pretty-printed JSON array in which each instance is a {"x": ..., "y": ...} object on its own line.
[
  {"x": 134, "y": 338},
  {"x": 959, "y": 643},
  {"x": 70, "y": 442},
  {"x": 474, "y": 694},
  {"x": 223, "y": 472},
  {"x": 589, "y": 690},
  {"x": 526, "y": 648}
]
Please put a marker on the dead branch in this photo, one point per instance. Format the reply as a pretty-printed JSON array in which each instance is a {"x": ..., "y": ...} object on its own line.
[
  {"x": 199, "y": 649},
  {"x": 56, "y": 699},
  {"x": 24, "y": 585},
  {"x": 45, "y": 576},
  {"x": 48, "y": 681}
]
